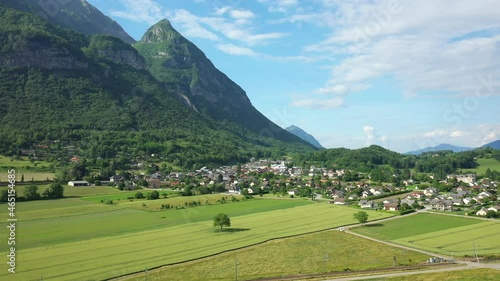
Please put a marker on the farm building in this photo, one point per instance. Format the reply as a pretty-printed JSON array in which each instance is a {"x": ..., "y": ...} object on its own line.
[{"x": 78, "y": 183}]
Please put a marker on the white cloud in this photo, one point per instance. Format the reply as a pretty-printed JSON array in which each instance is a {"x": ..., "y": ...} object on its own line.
[
  {"x": 236, "y": 50},
  {"x": 144, "y": 11},
  {"x": 190, "y": 26},
  {"x": 372, "y": 137},
  {"x": 457, "y": 134},
  {"x": 336, "y": 89},
  {"x": 231, "y": 24},
  {"x": 319, "y": 104},
  {"x": 437, "y": 133},
  {"x": 241, "y": 14},
  {"x": 281, "y": 6},
  {"x": 439, "y": 52}
]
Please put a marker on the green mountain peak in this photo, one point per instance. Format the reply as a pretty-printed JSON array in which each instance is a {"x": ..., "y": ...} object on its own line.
[{"x": 160, "y": 32}]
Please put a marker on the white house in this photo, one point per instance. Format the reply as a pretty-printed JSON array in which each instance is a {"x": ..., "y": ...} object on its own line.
[
  {"x": 482, "y": 212},
  {"x": 494, "y": 208},
  {"x": 78, "y": 183}
]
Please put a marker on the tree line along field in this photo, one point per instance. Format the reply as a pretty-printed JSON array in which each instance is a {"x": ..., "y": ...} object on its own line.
[
  {"x": 328, "y": 251},
  {"x": 447, "y": 235},
  {"x": 74, "y": 239}
]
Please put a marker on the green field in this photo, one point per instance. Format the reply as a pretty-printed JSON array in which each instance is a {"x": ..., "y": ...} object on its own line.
[
  {"x": 328, "y": 251},
  {"x": 36, "y": 170},
  {"x": 484, "y": 164},
  {"x": 74, "y": 239},
  {"x": 447, "y": 235}
]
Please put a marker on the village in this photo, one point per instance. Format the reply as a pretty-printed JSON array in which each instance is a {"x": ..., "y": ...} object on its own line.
[{"x": 462, "y": 194}]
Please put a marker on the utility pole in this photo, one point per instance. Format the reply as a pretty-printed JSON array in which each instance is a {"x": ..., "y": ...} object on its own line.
[
  {"x": 236, "y": 269},
  {"x": 475, "y": 252},
  {"x": 325, "y": 257}
]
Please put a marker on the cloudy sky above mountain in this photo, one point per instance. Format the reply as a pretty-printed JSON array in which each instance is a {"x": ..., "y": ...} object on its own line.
[{"x": 402, "y": 74}]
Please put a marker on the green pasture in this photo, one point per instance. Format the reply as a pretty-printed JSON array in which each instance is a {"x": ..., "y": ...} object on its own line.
[
  {"x": 89, "y": 221},
  {"x": 181, "y": 201},
  {"x": 116, "y": 242},
  {"x": 442, "y": 234},
  {"x": 485, "y": 164},
  {"x": 22, "y": 163},
  {"x": 28, "y": 176},
  {"x": 70, "y": 191},
  {"x": 327, "y": 251}
]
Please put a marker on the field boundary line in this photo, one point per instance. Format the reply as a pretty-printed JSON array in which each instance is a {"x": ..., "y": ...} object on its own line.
[{"x": 137, "y": 273}]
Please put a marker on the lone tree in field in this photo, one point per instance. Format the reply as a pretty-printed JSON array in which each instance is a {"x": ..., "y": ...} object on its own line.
[
  {"x": 361, "y": 216},
  {"x": 222, "y": 220}
]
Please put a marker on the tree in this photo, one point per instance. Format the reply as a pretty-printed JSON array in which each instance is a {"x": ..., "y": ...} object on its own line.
[
  {"x": 53, "y": 191},
  {"x": 153, "y": 195},
  {"x": 4, "y": 195},
  {"x": 138, "y": 195},
  {"x": 121, "y": 185},
  {"x": 31, "y": 193},
  {"x": 361, "y": 216},
  {"x": 222, "y": 220}
]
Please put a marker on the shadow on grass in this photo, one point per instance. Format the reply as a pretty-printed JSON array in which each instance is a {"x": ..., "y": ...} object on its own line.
[
  {"x": 374, "y": 225},
  {"x": 232, "y": 230}
]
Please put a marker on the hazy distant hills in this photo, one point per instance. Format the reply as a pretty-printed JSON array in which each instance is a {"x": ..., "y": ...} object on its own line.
[
  {"x": 304, "y": 135},
  {"x": 454, "y": 148},
  {"x": 494, "y": 145}
]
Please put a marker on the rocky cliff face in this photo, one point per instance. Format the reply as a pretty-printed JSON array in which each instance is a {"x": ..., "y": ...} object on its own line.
[
  {"x": 47, "y": 58},
  {"x": 113, "y": 49},
  {"x": 178, "y": 63},
  {"x": 124, "y": 57}
]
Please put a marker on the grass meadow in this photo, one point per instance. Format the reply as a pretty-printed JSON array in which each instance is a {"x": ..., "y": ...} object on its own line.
[
  {"x": 442, "y": 234},
  {"x": 485, "y": 164},
  {"x": 74, "y": 239},
  {"x": 327, "y": 251}
]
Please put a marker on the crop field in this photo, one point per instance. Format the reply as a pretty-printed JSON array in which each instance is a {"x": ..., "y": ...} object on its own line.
[
  {"x": 76, "y": 239},
  {"x": 442, "y": 234},
  {"x": 327, "y": 251}
]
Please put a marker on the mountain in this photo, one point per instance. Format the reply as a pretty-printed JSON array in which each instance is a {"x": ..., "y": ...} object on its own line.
[
  {"x": 77, "y": 15},
  {"x": 494, "y": 145},
  {"x": 185, "y": 70},
  {"x": 440, "y": 147},
  {"x": 93, "y": 96},
  {"x": 303, "y": 135}
]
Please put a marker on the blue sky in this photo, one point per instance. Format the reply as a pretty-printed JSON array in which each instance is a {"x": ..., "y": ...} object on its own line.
[{"x": 401, "y": 74}]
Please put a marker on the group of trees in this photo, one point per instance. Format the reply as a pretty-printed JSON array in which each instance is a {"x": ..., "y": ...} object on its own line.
[{"x": 52, "y": 191}]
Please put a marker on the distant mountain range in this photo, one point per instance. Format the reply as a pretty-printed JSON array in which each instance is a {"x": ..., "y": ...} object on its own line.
[
  {"x": 304, "y": 135},
  {"x": 494, "y": 145},
  {"x": 454, "y": 148}
]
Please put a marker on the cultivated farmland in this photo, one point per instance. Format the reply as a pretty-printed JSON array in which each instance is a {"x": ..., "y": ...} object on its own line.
[
  {"x": 327, "y": 251},
  {"x": 82, "y": 240},
  {"x": 443, "y": 234}
]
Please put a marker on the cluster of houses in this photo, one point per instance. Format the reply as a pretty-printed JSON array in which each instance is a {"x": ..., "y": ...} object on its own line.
[{"x": 469, "y": 193}]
